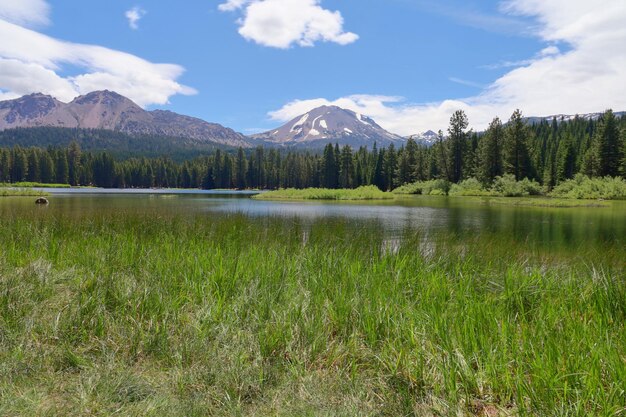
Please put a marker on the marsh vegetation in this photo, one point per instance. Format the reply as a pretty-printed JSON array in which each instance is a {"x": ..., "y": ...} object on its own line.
[{"x": 112, "y": 310}]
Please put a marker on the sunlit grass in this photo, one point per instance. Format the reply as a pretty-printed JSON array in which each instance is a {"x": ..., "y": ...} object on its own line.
[
  {"x": 368, "y": 192},
  {"x": 17, "y": 192},
  {"x": 25, "y": 184},
  {"x": 144, "y": 314}
]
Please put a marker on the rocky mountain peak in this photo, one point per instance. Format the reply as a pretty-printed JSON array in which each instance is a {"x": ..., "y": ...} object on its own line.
[
  {"x": 329, "y": 124},
  {"x": 111, "y": 111}
]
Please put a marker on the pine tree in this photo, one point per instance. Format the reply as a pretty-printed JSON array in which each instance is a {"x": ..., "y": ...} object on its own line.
[
  {"x": 457, "y": 137},
  {"x": 490, "y": 152},
  {"x": 62, "y": 168},
  {"x": 329, "y": 168},
  {"x": 346, "y": 168},
  {"x": 19, "y": 168},
  {"x": 412, "y": 154},
  {"x": 34, "y": 174},
  {"x": 240, "y": 170},
  {"x": 515, "y": 149},
  {"x": 607, "y": 146},
  {"x": 390, "y": 166},
  {"x": 565, "y": 159},
  {"x": 73, "y": 160}
]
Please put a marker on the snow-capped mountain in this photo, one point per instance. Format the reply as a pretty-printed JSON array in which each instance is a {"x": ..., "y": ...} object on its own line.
[
  {"x": 329, "y": 124},
  {"x": 111, "y": 111},
  {"x": 427, "y": 138},
  {"x": 569, "y": 117}
]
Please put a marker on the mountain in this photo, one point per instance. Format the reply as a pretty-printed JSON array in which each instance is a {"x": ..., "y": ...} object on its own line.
[
  {"x": 427, "y": 138},
  {"x": 111, "y": 111},
  {"x": 329, "y": 124},
  {"x": 568, "y": 117}
]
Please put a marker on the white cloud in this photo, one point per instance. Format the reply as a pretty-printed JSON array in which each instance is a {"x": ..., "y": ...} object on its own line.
[
  {"x": 33, "y": 62},
  {"x": 589, "y": 77},
  {"x": 25, "y": 12},
  {"x": 283, "y": 23},
  {"x": 134, "y": 15}
]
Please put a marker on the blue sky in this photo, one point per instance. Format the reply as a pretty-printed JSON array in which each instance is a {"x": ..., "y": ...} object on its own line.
[{"x": 252, "y": 64}]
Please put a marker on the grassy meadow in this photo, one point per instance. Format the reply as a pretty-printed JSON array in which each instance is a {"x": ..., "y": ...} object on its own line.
[
  {"x": 151, "y": 314},
  {"x": 366, "y": 192}
]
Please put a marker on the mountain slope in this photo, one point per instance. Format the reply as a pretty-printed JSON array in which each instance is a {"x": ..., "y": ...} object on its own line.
[
  {"x": 111, "y": 111},
  {"x": 329, "y": 124}
]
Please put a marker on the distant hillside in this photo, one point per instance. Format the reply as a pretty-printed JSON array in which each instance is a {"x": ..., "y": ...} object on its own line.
[
  {"x": 108, "y": 110},
  {"x": 119, "y": 144},
  {"x": 329, "y": 124}
]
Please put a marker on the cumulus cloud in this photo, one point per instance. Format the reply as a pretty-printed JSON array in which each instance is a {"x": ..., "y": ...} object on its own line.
[
  {"x": 589, "y": 77},
  {"x": 283, "y": 23},
  {"x": 134, "y": 15},
  {"x": 25, "y": 12},
  {"x": 34, "y": 62}
]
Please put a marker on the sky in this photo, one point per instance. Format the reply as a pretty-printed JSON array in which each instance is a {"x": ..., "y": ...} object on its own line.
[{"x": 254, "y": 64}]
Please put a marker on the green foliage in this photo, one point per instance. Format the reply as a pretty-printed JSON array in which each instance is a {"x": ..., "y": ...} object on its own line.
[
  {"x": 432, "y": 187},
  {"x": 470, "y": 186},
  {"x": 506, "y": 186},
  {"x": 583, "y": 187},
  {"x": 368, "y": 192}
]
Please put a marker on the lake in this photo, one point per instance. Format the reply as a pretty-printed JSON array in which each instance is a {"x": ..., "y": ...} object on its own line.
[{"x": 584, "y": 228}]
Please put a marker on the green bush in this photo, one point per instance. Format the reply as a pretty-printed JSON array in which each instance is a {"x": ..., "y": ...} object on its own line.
[
  {"x": 583, "y": 187},
  {"x": 470, "y": 187},
  {"x": 506, "y": 186},
  {"x": 432, "y": 187}
]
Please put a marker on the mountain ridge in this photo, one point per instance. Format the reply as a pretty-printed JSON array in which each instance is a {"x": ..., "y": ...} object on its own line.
[{"x": 109, "y": 110}]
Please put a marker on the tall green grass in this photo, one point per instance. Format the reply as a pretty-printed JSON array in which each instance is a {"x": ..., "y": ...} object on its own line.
[
  {"x": 25, "y": 184},
  {"x": 145, "y": 314},
  {"x": 366, "y": 192},
  {"x": 23, "y": 192}
]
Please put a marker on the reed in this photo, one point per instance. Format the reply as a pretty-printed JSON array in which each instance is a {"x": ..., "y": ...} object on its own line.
[{"x": 137, "y": 314}]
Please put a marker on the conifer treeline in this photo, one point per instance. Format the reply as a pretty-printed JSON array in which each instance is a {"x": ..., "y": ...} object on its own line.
[{"x": 549, "y": 152}]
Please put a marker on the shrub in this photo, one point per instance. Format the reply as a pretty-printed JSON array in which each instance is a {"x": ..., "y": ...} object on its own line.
[
  {"x": 583, "y": 187},
  {"x": 470, "y": 186},
  {"x": 432, "y": 187},
  {"x": 507, "y": 186}
]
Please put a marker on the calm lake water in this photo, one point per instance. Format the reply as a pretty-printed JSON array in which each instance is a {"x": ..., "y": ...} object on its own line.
[{"x": 597, "y": 228}]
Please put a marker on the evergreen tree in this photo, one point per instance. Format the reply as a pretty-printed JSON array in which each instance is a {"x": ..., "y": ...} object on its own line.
[
  {"x": 240, "y": 170},
  {"x": 5, "y": 165},
  {"x": 19, "y": 168},
  {"x": 330, "y": 169},
  {"x": 515, "y": 149},
  {"x": 457, "y": 137},
  {"x": 607, "y": 146},
  {"x": 565, "y": 159},
  {"x": 490, "y": 152},
  {"x": 73, "y": 160},
  {"x": 61, "y": 168},
  {"x": 34, "y": 173},
  {"x": 346, "y": 169},
  {"x": 390, "y": 166},
  {"x": 405, "y": 171}
]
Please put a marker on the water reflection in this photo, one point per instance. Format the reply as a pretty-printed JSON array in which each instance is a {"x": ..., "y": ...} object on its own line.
[{"x": 571, "y": 228}]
